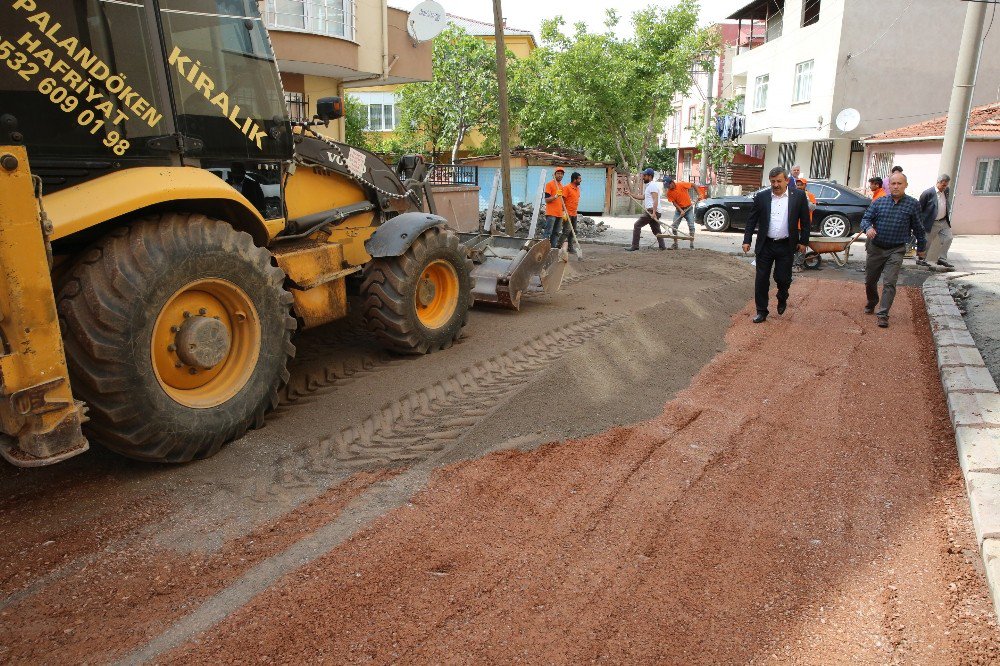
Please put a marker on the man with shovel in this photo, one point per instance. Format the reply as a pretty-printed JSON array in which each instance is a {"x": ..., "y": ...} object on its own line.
[
  {"x": 571, "y": 198},
  {"x": 679, "y": 194}
]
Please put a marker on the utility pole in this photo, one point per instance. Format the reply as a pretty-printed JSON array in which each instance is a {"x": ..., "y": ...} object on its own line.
[
  {"x": 508, "y": 206},
  {"x": 969, "y": 54},
  {"x": 708, "y": 122}
]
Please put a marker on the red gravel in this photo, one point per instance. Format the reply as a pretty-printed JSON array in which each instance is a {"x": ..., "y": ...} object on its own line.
[
  {"x": 102, "y": 609},
  {"x": 800, "y": 502}
]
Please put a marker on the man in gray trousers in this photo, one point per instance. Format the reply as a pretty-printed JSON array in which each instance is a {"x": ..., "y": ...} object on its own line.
[
  {"x": 935, "y": 206},
  {"x": 888, "y": 223}
]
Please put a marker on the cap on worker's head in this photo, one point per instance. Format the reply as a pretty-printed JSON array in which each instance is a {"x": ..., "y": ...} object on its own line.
[
  {"x": 802, "y": 181},
  {"x": 648, "y": 172},
  {"x": 560, "y": 170},
  {"x": 668, "y": 180}
]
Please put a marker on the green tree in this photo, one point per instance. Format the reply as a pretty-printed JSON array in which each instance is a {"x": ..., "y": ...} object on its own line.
[
  {"x": 663, "y": 159},
  {"x": 355, "y": 121},
  {"x": 606, "y": 95},
  {"x": 461, "y": 97}
]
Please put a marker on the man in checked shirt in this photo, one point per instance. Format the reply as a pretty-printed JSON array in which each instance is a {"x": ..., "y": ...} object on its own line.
[{"x": 888, "y": 223}]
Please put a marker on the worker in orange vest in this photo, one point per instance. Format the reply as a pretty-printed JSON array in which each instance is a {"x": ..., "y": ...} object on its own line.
[
  {"x": 800, "y": 258},
  {"x": 571, "y": 195},
  {"x": 554, "y": 206}
]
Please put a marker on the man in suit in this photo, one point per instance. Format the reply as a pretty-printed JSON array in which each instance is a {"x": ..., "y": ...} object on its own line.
[
  {"x": 935, "y": 208},
  {"x": 783, "y": 217}
]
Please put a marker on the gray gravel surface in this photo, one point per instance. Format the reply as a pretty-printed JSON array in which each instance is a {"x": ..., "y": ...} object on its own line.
[{"x": 979, "y": 296}]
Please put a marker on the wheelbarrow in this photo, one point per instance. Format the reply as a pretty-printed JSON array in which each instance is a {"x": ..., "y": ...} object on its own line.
[{"x": 834, "y": 247}]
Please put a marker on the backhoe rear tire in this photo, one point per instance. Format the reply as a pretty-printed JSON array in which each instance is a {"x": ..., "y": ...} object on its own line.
[
  {"x": 177, "y": 331},
  {"x": 418, "y": 302}
]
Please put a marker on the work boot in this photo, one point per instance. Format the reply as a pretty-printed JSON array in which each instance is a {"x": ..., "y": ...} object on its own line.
[
  {"x": 674, "y": 246},
  {"x": 883, "y": 321},
  {"x": 945, "y": 263},
  {"x": 692, "y": 239}
]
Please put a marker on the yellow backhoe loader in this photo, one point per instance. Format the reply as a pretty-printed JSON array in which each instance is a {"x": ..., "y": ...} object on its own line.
[{"x": 164, "y": 230}]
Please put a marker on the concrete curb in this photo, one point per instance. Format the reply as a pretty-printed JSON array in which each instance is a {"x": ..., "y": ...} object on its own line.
[{"x": 974, "y": 407}]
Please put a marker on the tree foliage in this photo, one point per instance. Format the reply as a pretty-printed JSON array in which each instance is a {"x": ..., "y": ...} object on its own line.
[
  {"x": 603, "y": 94},
  {"x": 355, "y": 121},
  {"x": 461, "y": 97}
]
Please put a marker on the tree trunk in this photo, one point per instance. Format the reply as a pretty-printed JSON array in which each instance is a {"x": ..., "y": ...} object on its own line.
[{"x": 458, "y": 144}]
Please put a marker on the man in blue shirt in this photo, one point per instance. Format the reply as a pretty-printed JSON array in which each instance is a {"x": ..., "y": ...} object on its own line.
[{"x": 888, "y": 223}]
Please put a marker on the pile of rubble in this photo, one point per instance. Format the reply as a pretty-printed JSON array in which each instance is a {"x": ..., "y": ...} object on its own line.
[{"x": 586, "y": 227}]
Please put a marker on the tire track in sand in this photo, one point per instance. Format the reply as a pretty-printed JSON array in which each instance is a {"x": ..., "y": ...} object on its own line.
[{"x": 428, "y": 420}]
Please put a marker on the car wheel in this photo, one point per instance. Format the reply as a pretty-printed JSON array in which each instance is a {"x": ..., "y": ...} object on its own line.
[
  {"x": 717, "y": 219},
  {"x": 835, "y": 226}
]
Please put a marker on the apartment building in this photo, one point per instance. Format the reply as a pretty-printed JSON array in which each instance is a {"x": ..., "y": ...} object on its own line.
[
  {"x": 799, "y": 63},
  {"x": 326, "y": 47},
  {"x": 689, "y": 116}
]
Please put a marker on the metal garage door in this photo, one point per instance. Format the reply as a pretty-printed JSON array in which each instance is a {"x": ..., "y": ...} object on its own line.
[{"x": 593, "y": 189}]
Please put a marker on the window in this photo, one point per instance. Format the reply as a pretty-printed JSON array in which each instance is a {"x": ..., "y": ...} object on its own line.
[
  {"x": 381, "y": 110},
  {"x": 688, "y": 159},
  {"x": 774, "y": 25},
  {"x": 803, "y": 82},
  {"x": 881, "y": 165},
  {"x": 822, "y": 155},
  {"x": 786, "y": 155},
  {"x": 760, "y": 92},
  {"x": 810, "y": 12},
  {"x": 692, "y": 112},
  {"x": 298, "y": 106},
  {"x": 987, "y": 176},
  {"x": 677, "y": 128},
  {"x": 229, "y": 41},
  {"x": 112, "y": 34},
  {"x": 324, "y": 17},
  {"x": 822, "y": 192}
]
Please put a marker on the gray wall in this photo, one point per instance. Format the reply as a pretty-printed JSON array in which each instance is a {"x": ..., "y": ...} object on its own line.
[{"x": 915, "y": 61}]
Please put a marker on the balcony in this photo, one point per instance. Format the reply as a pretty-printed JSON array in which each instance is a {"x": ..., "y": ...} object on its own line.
[
  {"x": 760, "y": 22},
  {"x": 329, "y": 18}
]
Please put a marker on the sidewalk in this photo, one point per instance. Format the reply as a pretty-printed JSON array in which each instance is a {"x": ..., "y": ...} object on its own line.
[{"x": 968, "y": 253}]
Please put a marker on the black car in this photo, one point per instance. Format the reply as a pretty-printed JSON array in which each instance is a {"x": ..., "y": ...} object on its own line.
[{"x": 838, "y": 210}]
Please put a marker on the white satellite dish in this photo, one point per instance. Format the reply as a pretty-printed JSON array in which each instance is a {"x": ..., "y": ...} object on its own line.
[
  {"x": 427, "y": 21},
  {"x": 848, "y": 120}
]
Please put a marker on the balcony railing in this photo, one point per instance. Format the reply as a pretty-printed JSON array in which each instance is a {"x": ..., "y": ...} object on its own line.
[
  {"x": 334, "y": 18},
  {"x": 454, "y": 174}
]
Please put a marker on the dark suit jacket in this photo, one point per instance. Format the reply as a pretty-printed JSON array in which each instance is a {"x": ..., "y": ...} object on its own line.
[
  {"x": 928, "y": 206},
  {"x": 798, "y": 218}
]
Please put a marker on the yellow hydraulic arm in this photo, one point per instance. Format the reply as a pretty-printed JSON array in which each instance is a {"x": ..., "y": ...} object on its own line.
[{"x": 39, "y": 419}]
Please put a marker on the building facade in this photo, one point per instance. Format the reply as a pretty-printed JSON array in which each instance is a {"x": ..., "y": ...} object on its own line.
[
  {"x": 917, "y": 148},
  {"x": 799, "y": 63},
  {"x": 382, "y": 101},
  {"x": 326, "y": 47}
]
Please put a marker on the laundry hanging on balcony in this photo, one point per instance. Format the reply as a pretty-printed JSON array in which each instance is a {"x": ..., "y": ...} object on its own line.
[{"x": 730, "y": 127}]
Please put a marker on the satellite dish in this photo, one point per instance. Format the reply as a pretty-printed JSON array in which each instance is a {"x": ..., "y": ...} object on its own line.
[
  {"x": 848, "y": 120},
  {"x": 426, "y": 21}
]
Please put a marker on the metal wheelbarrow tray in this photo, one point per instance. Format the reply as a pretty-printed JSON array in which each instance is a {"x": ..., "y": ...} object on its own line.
[{"x": 831, "y": 246}]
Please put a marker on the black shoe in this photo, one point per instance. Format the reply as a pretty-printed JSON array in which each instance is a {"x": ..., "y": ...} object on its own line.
[
  {"x": 631, "y": 249},
  {"x": 869, "y": 309},
  {"x": 883, "y": 321},
  {"x": 921, "y": 262},
  {"x": 942, "y": 262},
  {"x": 782, "y": 306},
  {"x": 760, "y": 319}
]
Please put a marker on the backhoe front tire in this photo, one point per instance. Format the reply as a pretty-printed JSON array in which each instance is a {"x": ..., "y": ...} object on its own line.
[
  {"x": 418, "y": 302},
  {"x": 177, "y": 332}
]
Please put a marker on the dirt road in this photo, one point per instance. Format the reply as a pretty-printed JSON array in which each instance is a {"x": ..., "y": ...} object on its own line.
[{"x": 788, "y": 504}]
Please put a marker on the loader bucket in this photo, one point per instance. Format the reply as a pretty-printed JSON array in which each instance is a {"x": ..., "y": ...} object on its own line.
[{"x": 507, "y": 267}]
